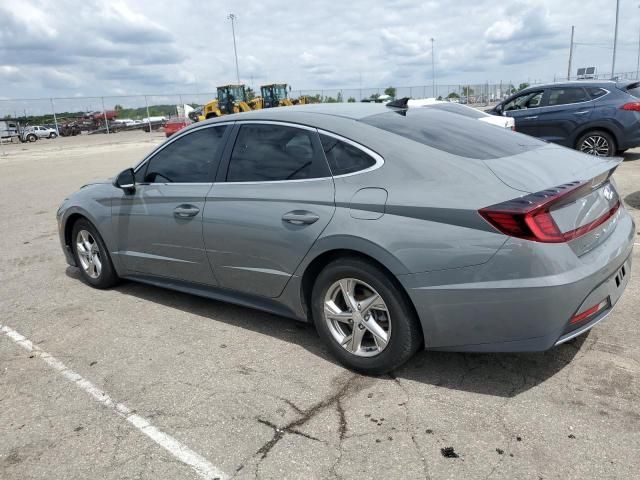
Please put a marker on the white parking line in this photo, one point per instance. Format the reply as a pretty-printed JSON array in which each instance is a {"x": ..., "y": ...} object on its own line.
[{"x": 180, "y": 451}]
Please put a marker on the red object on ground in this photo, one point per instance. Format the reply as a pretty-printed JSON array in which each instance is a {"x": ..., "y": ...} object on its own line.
[{"x": 175, "y": 124}]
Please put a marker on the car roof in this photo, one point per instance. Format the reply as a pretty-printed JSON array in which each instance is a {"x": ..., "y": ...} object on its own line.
[
  {"x": 574, "y": 83},
  {"x": 354, "y": 111}
]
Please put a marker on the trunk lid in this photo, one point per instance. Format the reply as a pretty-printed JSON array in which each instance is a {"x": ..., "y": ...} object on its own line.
[{"x": 572, "y": 196}]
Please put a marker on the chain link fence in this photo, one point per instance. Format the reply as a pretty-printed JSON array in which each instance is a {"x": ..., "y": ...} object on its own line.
[{"x": 100, "y": 113}]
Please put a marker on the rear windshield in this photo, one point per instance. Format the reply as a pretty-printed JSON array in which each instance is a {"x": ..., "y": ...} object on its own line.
[
  {"x": 633, "y": 89},
  {"x": 453, "y": 133},
  {"x": 459, "y": 109}
]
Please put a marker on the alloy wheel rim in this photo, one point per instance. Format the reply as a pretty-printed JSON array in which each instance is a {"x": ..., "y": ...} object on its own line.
[
  {"x": 357, "y": 317},
  {"x": 595, "y": 145},
  {"x": 88, "y": 254}
]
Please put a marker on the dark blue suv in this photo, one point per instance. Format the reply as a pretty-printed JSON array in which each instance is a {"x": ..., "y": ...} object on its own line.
[{"x": 600, "y": 118}]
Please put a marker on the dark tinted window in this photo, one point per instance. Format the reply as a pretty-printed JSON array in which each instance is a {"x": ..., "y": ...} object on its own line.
[
  {"x": 526, "y": 100},
  {"x": 189, "y": 159},
  {"x": 454, "y": 133},
  {"x": 273, "y": 152},
  {"x": 596, "y": 92},
  {"x": 564, "y": 96},
  {"x": 344, "y": 158},
  {"x": 459, "y": 109}
]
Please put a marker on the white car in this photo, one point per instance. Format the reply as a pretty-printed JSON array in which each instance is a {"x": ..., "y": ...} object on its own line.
[
  {"x": 41, "y": 132},
  {"x": 504, "y": 122}
]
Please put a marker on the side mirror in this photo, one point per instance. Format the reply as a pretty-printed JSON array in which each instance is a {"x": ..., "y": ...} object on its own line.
[{"x": 126, "y": 180}]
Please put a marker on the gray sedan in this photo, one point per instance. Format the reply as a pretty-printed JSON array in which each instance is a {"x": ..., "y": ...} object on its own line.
[{"x": 391, "y": 229}]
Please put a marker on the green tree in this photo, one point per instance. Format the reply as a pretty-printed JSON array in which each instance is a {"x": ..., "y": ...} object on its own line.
[
  {"x": 118, "y": 108},
  {"x": 466, "y": 91},
  {"x": 374, "y": 96},
  {"x": 351, "y": 100},
  {"x": 439, "y": 97},
  {"x": 391, "y": 91},
  {"x": 339, "y": 98},
  {"x": 453, "y": 95},
  {"x": 329, "y": 100},
  {"x": 522, "y": 86}
]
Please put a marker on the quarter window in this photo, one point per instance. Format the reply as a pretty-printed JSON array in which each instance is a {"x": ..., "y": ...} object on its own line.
[
  {"x": 267, "y": 153},
  {"x": 596, "y": 92},
  {"x": 193, "y": 158},
  {"x": 344, "y": 158},
  {"x": 565, "y": 96}
]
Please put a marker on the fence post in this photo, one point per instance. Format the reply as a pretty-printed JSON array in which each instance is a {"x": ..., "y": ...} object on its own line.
[
  {"x": 146, "y": 104},
  {"x": 104, "y": 113},
  {"x": 55, "y": 120}
]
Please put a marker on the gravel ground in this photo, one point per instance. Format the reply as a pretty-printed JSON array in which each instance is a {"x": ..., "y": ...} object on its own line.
[{"x": 257, "y": 395}]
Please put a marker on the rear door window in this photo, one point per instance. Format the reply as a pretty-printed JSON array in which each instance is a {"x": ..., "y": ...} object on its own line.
[
  {"x": 269, "y": 152},
  {"x": 565, "y": 96},
  {"x": 343, "y": 157}
]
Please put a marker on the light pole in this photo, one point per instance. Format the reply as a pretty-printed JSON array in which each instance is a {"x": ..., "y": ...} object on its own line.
[
  {"x": 615, "y": 41},
  {"x": 570, "y": 54},
  {"x": 433, "y": 68},
  {"x": 233, "y": 18}
]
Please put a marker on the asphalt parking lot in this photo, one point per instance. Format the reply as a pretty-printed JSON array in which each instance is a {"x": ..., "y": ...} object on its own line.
[{"x": 139, "y": 382}]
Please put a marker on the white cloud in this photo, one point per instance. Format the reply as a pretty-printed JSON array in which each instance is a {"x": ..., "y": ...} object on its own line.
[{"x": 102, "y": 48}]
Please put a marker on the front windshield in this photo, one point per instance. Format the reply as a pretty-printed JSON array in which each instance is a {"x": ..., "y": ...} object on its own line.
[{"x": 280, "y": 92}]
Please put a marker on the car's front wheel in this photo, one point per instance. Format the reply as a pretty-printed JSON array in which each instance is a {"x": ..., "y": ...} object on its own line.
[
  {"x": 53, "y": 135},
  {"x": 91, "y": 255},
  {"x": 598, "y": 143},
  {"x": 32, "y": 137},
  {"x": 364, "y": 317}
]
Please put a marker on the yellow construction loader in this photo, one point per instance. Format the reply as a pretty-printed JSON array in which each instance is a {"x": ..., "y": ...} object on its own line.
[
  {"x": 231, "y": 99},
  {"x": 272, "y": 95}
]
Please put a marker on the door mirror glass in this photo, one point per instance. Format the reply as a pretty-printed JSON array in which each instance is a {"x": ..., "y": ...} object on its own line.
[{"x": 126, "y": 180}]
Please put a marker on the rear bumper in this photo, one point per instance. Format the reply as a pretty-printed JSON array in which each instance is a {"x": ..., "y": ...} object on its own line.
[{"x": 492, "y": 308}]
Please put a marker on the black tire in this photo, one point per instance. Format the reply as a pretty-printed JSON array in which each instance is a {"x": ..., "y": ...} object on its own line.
[
  {"x": 31, "y": 137},
  {"x": 52, "y": 135},
  {"x": 621, "y": 152},
  {"x": 107, "y": 276},
  {"x": 587, "y": 143},
  {"x": 405, "y": 338}
]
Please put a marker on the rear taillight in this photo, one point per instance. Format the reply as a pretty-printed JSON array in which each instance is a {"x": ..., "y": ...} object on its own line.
[
  {"x": 633, "y": 106},
  {"x": 589, "y": 312},
  {"x": 529, "y": 217}
]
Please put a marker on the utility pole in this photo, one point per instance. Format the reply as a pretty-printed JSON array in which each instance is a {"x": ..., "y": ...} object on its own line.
[
  {"x": 55, "y": 119},
  {"x": 233, "y": 18},
  {"x": 570, "y": 53},
  {"x": 433, "y": 68},
  {"x": 615, "y": 41}
]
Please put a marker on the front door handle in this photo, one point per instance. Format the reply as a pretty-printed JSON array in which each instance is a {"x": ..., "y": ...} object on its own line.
[
  {"x": 186, "y": 211},
  {"x": 531, "y": 118},
  {"x": 300, "y": 217},
  {"x": 582, "y": 112}
]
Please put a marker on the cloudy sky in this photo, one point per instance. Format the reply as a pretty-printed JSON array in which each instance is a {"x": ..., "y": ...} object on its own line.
[{"x": 102, "y": 47}]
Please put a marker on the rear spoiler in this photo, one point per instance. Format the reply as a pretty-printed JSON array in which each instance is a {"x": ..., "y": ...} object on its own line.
[{"x": 628, "y": 85}]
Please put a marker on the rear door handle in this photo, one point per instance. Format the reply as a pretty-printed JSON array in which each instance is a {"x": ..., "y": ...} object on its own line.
[
  {"x": 582, "y": 112},
  {"x": 300, "y": 217},
  {"x": 531, "y": 118},
  {"x": 186, "y": 211}
]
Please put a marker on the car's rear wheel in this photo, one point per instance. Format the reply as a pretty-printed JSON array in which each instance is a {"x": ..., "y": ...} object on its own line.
[
  {"x": 598, "y": 143},
  {"x": 32, "y": 137},
  {"x": 364, "y": 317},
  {"x": 92, "y": 256}
]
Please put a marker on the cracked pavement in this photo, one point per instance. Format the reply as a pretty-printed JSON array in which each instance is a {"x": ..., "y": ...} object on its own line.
[{"x": 258, "y": 395}]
